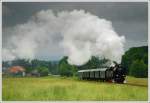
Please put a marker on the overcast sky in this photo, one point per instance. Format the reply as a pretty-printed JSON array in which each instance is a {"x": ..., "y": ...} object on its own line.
[{"x": 128, "y": 19}]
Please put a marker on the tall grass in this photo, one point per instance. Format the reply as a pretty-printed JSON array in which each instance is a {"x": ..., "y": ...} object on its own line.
[{"x": 57, "y": 88}]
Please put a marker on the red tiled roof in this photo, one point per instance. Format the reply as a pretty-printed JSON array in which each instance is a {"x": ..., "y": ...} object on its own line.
[{"x": 16, "y": 69}]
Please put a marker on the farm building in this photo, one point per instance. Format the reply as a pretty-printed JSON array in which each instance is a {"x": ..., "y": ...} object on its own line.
[
  {"x": 33, "y": 73},
  {"x": 17, "y": 71}
]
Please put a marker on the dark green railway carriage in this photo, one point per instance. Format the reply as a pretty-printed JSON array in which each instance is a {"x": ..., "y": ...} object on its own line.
[{"x": 96, "y": 74}]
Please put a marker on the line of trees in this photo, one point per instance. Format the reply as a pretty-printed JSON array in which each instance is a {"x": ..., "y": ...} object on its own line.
[
  {"x": 135, "y": 60},
  {"x": 61, "y": 67},
  {"x": 43, "y": 67}
]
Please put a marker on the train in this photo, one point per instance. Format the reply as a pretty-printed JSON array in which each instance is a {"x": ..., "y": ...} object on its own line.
[{"x": 114, "y": 73}]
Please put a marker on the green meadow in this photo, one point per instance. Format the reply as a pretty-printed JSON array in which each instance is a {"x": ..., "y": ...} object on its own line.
[{"x": 69, "y": 89}]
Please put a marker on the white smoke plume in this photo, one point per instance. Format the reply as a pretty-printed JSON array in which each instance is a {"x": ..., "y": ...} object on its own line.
[{"x": 76, "y": 34}]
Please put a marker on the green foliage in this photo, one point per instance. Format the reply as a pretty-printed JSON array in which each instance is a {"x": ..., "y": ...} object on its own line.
[
  {"x": 29, "y": 69},
  {"x": 138, "y": 69},
  {"x": 93, "y": 63},
  {"x": 145, "y": 58},
  {"x": 66, "y": 69},
  {"x": 43, "y": 71},
  {"x": 40, "y": 63},
  {"x": 22, "y": 62},
  {"x": 31, "y": 65},
  {"x": 136, "y": 54},
  {"x": 54, "y": 68},
  {"x": 6, "y": 64},
  {"x": 62, "y": 67}
]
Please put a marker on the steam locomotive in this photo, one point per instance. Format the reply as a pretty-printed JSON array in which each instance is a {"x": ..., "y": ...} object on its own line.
[{"x": 114, "y": 73}]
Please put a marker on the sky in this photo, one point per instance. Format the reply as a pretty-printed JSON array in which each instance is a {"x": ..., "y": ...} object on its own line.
[{"x": 129, "y": 19}]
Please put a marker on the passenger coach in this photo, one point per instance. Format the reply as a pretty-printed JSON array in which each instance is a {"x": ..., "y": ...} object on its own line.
[{"x": 100, "y": 73}]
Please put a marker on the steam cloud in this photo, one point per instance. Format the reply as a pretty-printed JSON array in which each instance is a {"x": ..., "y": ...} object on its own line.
[{"x": 77, "y": 33}]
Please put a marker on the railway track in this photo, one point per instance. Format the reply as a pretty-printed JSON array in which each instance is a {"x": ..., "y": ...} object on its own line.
[{"x": 140, "y": 85}]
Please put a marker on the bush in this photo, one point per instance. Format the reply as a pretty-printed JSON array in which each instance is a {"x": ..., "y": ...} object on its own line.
[
  {"x": 43, "y": 71},
  {"x": 138, "y": 69}
]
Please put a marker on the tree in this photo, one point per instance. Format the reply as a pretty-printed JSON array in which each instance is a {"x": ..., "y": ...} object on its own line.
[
  {"x": 66, "y": 69},
  {"x": 138, "y": 69},
  {"x": 43, "y": 71},
  {"x": 29, "y": 69},
  {"x": 22, "y": 62},
  {"x": 145, "y": 59},
  {"x": 36, "y": 63},
  {"x": 53, "y": 67},
  {"x": 133, "y": 54},
  {"x": 94, "y": 63}
]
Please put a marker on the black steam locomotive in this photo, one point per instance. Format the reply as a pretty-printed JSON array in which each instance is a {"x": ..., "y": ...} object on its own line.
[{"x": 113, "y": 74}]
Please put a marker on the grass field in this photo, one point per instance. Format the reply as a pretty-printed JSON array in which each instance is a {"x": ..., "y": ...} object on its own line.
[{"x": 58, "y": 88}]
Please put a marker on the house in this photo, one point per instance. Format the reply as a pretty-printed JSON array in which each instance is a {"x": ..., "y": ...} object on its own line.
[{"x": 17, "y": 71}]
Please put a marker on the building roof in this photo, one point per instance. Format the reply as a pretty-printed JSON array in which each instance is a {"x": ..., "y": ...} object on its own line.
[
  {"x": 90, "y": 70},
  {"x": 16, "y": 69}
]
